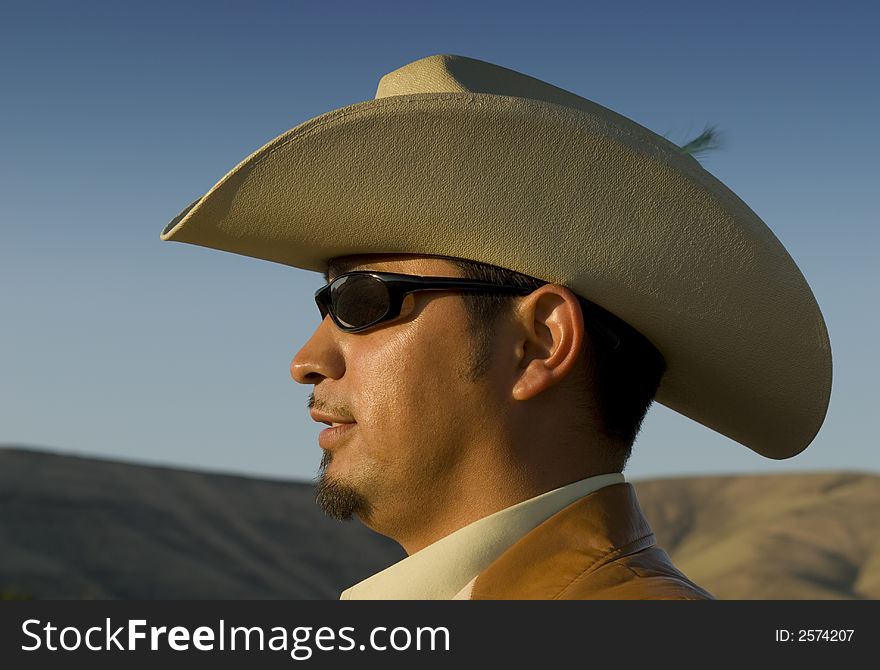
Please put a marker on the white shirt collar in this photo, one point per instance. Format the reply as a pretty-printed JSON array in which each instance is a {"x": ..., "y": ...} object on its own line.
[{"x": 444, "y": 569}]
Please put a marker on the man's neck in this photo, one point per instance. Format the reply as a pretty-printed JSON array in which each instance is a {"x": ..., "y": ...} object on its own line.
[{"x": 473, "y": 503}]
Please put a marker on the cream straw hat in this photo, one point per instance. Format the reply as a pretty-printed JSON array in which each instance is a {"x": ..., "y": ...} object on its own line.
[{"x": 460, "y": 157}]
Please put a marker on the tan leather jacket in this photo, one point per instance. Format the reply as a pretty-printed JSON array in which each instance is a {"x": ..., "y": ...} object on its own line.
[{"x": 598, "y": 548}]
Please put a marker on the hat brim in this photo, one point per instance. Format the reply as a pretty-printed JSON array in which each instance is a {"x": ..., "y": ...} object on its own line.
[{"x": 610, "y": 210}]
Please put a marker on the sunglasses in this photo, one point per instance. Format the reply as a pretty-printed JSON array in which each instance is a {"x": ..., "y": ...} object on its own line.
[{"x": 362, "y": 299}]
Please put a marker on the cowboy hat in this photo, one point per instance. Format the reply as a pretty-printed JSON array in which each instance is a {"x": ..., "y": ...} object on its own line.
[{"x": 460, "y": 157}]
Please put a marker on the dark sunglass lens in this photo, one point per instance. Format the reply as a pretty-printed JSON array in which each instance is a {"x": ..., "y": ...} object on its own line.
[{"x": 359, "y": 300}]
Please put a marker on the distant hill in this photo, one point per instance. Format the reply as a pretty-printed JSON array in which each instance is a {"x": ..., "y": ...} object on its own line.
[
  {"x": 73, "y": 527},
  {"x": 772, "y": 537}
]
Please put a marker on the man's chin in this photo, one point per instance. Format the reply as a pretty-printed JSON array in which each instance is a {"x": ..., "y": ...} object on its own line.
[{"x": 337, "y": 499}]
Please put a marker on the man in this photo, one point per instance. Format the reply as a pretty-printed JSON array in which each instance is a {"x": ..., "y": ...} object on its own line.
[{"x": 513, "y": 272}]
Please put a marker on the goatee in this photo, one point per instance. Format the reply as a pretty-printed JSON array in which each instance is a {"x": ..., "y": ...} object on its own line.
[{"x": 336, "y": 499}]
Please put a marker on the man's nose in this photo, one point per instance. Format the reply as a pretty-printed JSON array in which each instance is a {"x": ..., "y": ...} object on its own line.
[{"x": 320, "y": 357}]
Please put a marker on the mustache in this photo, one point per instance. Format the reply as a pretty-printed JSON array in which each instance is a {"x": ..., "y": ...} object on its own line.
[{"x": 322, "y": 406}]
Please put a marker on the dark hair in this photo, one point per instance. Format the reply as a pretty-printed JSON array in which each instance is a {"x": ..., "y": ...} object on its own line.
[{"x": 623, "y": 368}]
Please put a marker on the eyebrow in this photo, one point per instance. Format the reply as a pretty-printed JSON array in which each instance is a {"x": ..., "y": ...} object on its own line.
[{"x": 338, "y": 267}]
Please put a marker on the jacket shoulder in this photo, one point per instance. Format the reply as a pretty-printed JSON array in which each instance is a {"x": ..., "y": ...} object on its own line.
[
  {"x": 648, "y": 574},
  {"x": 599, "y": 547}
]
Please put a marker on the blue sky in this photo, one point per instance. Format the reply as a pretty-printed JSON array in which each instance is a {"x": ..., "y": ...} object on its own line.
[{"x": 114, "y": 116}]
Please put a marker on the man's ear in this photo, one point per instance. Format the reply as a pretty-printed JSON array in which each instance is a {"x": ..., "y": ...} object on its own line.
[{"x": 551, "y": 332}]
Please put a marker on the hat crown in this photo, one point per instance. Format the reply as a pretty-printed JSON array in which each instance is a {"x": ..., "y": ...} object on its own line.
[{"x": 448, "y": 73}]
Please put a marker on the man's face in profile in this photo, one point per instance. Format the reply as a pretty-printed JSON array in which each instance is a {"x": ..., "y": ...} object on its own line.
[{"x": 406, "y": 386}]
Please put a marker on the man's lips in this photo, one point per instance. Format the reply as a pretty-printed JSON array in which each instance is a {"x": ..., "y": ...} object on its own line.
[
  {"x": 329, "y": 419},
  {"x": 339, "y": 427},
  {"x": 328, "y": 437}
]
